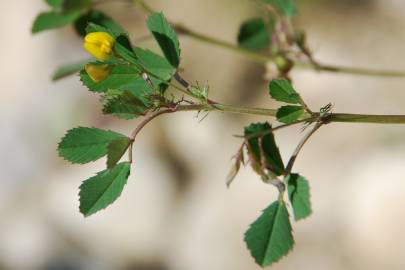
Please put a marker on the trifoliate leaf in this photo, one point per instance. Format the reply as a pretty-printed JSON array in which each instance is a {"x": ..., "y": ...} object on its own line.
[
  {"x": 281, "y": 90},
  {"x": 70, "y": 69},
  {"x": 99, "y": 18},
  {"x": 51, "y": 20},
  {"x": 253, "y": 34},
  {"x": 298, "y": 192},
  {"x": 165, "y": 37},
  {"x": 82, "y": 145},
  {"x": 98, "y": 192},
  {"x": 286, "y": 8},
  {"x": 116, "y": 149},
  {"x": 288, "y": 114},
  {"x": 124, "y": 105},
  {"x": 262, "y": 149},
  {"x": 270, "y": 237}
]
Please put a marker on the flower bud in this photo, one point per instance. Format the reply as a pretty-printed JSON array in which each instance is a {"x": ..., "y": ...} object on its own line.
[
  {"x": 97, "y": 72},
  {"x": 99, "y": 44}
]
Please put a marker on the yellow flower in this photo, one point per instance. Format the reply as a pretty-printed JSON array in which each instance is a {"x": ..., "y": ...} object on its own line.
[
  {"x": 99, "y": 44},
  {"x": 97, "y": 72}
]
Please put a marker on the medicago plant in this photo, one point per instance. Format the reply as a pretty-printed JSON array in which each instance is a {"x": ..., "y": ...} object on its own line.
[{"x": 136, "y": 82}]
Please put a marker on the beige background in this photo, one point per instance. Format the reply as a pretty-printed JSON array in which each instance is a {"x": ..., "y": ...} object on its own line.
[{"x": 176, "y": 212}]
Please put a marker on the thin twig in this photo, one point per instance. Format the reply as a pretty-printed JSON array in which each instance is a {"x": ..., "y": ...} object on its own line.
[
  {"x": 143, "y": 124},
  {"x": 299, "y": 147}
]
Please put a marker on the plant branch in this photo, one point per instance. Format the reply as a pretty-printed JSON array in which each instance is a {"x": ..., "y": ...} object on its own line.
[
  {"x": 261, "y": 58},
  {"x": 142, "y": 125},
  {"x": 299, "y": 147}
]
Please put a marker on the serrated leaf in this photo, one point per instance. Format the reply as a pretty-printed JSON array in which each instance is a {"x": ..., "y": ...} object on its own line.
[
  {"x": 263, "y": 148},
  {"x": 70, "y": 69},
  {"x": 98, "y": 192},
  {"x": 286, "y": 8},
  {"x": 155, "y": 64},
  {"x": 288, "y": 114},
  {"x": 82, "y": 145},
  {"x": 116, "y": 149},
  {"x": 51, "y": 20},
  {"x": 124, "y": 105},
  {"x": 253, "y": 34},
  {"x": 166, "y": 37},
  {"x": 99, "y": 18},
  {"x": 270, "y": 237},
  {"x": 281, "y": 90},
  {"x": 298, "y": 192}
]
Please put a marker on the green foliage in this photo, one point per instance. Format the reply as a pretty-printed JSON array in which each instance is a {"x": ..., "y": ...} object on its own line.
[
  {"x": 98, "y": 192},
  {"x": 286, "y": 8},
  {"x": 116, "y": 149},
  {"x": 82, "y": 145},
  {"x": 124, "y": 104},
  {"x": 55, "y": 4},
  {"x": 253, "y": 34},
  {"x": 298, "y": 192},
  {"x": 76, "y": 4},
  {"x": 262, "y": 149},
  {"x": 166, "y": 37},
  {"x": 51, "y": 20},
  {"x": 289, "y": 114},
  {"x": 155, "y": 64},
  {"x": 281, "y": 90},
  {"x": 99, "y": 18},
  {"x": 69, "y": 69},
  {"x": 124, "y": 49},
  {"x": 270, "y": 238},
  {"x": 63, "y": 12}
]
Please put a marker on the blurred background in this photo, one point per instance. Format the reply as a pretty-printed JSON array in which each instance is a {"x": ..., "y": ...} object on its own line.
[{"x": 175, "y": 211}]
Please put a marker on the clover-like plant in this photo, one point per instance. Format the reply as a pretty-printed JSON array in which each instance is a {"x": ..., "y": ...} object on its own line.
[{"x": 136, "y": 82}]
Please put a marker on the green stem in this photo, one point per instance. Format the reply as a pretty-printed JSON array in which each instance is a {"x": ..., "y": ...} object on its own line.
[
  {"x": 333, "y": 117},
  {"x": 366, "y": 118}
]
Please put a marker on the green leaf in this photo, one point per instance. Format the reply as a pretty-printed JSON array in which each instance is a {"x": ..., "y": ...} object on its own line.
[
  {"x": 281, "y": 90},
  {"x": 155, "y": 64},
  {"x": 288, "y": 114},
  {"x": 263, "y": 143},
  {"x": 51, "y": 20},
  {"x": 270, "y": 237},
  {"x": 124, "y": 49},
  {"x": 98, "y": 192},
  {"x": 69, "y": 5},
  {"x": 298, "y": 192},
  {"x": 124, "y": 105},
  {"x": 82, "y": 145},
  {"x": 286, "y": 8},
  {"x": 166, "y": 37},
  {"x": 92, "y": 27},
  {"x": 99, "y": 18},
  {"x": 69, "y": 69},
  {"x": 116, "y": 149},
  {"x": 253, "y": 34},
  {"x": 55, "y": 4}
]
